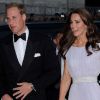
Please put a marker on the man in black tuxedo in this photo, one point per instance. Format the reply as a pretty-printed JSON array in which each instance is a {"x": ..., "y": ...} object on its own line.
[
  {"x": 53, "y": 90},
  {"x": 28, "y": 61}
]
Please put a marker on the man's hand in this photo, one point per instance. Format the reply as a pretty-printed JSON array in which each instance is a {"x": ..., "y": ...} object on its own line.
[
  {"x": 22, "y": 90},
  {"x": 6, "y": 97}
]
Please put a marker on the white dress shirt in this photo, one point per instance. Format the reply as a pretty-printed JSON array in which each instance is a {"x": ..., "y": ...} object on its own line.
[{"x": 20, "y": 47}]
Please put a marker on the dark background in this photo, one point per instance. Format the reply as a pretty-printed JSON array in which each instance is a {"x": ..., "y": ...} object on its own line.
[
  {"x": 92, "y": 3},
  {"x": 47, "y": 28}
]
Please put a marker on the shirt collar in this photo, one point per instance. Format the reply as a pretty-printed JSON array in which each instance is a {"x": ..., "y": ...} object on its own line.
[{"x": 27, "y": 33}]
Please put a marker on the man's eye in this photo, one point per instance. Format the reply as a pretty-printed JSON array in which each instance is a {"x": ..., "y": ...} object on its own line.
[{"x": 77, "y": 21}]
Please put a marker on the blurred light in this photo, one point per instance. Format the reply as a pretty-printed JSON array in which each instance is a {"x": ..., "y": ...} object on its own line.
[
  {"x": 62, "y": 15},
  {"x": 98, "y": 10}
]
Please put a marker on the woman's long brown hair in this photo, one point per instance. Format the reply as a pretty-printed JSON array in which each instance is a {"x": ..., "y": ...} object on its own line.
[{"x": 92, "y": 35}]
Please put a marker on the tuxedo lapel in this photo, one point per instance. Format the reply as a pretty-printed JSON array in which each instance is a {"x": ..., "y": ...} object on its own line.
[
  {"x": 11, "y": 55},
  {"x": 29, "y": 54},
  {"x": 28, "y": 58}
]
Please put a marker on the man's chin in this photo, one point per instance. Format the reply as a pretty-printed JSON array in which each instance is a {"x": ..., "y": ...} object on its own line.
[{"x": 14, "y": 31}]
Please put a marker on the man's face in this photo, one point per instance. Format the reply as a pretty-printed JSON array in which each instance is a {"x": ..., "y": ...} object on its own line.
[
  {"x": 15, "y": 20},
  {"x": 57, "y": 38}
]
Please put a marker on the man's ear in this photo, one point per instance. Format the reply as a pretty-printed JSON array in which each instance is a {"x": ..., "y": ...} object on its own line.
[{"x": 24, "y": 17}]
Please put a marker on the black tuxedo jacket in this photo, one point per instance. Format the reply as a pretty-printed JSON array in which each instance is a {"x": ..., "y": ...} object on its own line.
[{"x": 40, "y": 66}]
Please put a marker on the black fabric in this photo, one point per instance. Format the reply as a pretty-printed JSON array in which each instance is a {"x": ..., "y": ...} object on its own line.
[
  {"x": 22, "y": 36},
  {"x": 98, "y": 79},
  {"x": 42, "y": 71}
]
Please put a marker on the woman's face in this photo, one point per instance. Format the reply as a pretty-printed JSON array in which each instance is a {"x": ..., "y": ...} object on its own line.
[{"x": 77, "y": 25}]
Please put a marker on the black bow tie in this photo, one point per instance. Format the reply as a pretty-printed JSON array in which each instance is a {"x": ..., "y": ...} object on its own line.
[{"x": 22, "y": 36}]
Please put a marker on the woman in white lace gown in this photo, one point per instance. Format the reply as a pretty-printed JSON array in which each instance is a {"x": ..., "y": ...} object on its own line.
[{"x": 80, "y": 49}]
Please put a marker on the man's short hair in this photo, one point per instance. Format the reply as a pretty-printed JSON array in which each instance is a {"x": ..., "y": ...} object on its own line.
[{"x": 18, "y": 5}]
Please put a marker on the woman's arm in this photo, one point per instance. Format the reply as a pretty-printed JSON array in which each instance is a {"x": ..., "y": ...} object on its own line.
[{"x": 65, "y": 82}]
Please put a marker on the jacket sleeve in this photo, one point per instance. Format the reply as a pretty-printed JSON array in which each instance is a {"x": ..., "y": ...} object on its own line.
[
  {"x": 51, "y": 67},
  {"x": 2, "y": 78}
]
